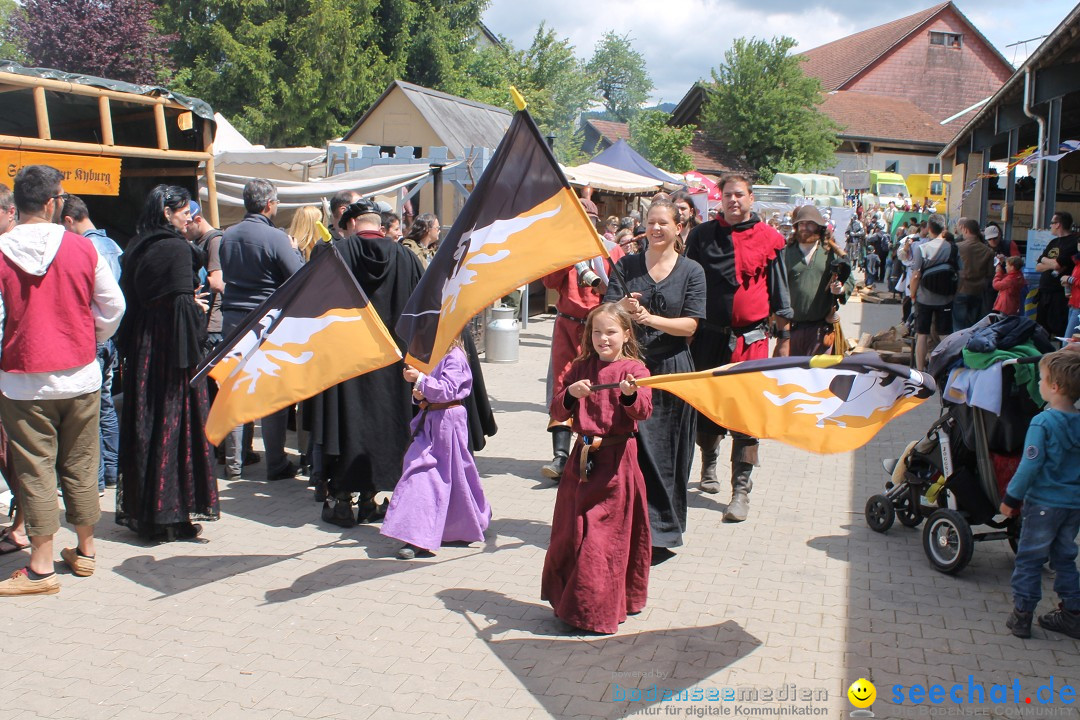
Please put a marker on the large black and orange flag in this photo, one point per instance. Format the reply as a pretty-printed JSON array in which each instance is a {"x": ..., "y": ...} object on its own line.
[
  {"x": 825, "y": 403},
  {"x": 521, "y": 222},
  {"x": 315, "y": 331}
]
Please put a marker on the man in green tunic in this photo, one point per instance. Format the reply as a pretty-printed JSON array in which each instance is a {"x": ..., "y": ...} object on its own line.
[{"x": 813, "y": 261}]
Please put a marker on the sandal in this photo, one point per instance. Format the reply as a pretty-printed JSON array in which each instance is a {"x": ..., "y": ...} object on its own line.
[{"x": 8, "y": 544}]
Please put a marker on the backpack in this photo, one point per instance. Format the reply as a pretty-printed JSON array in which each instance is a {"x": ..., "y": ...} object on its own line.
[{"x": 942, "y": 278}]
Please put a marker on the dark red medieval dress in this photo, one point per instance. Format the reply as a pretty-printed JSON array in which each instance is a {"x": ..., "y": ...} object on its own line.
[{"x": 597, "y": 565}]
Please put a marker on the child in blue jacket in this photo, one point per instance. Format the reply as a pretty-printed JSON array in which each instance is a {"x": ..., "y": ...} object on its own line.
[{"x": 1047, "y": 482}]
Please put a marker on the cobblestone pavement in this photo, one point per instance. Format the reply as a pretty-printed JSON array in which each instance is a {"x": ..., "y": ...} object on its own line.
[{"x": 279, "y": 615}]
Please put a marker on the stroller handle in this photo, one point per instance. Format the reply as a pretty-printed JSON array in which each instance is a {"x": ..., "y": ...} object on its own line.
[{"x": 1022, "y": 361}]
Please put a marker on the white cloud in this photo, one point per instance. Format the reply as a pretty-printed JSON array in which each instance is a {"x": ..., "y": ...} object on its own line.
[{"x": 682, "y": 40}]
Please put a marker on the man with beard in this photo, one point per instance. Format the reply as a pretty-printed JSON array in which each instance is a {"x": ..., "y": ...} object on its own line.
[
  {"x": 363, "y": 424},
  {"x": 746, "y": 281},
  {"x": 813, "y": 264}
]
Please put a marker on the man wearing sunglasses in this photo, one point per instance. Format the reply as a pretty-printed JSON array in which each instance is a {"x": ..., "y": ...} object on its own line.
[{"x": 1056, "y": 262}]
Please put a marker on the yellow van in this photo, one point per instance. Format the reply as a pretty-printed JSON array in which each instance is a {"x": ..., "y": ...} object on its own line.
[{"x": 930, "y": 186}]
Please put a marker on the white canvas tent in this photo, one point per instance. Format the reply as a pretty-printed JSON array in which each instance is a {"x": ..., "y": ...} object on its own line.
[
  {"x": 603, "y": 177},
  {"x": 375, "y": 180}
]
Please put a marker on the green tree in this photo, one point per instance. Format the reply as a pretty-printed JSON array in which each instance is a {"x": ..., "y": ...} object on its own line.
[
  {"x": 659, "y": 143},
  {"x": 441, "y": 41},
  {"x": 622, "y": 80},
  {"x": 9, "y": 47},
  {"x": 553, "y": 80},
  {"x": 303, "y": 71},
  {"x": 763, "y": 107}
]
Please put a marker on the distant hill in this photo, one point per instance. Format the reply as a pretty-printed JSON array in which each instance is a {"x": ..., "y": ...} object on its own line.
[{"x": 604, "y": 115}]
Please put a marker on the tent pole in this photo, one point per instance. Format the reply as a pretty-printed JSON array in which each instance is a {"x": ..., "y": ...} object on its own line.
[{"x": 211, "y": 175}]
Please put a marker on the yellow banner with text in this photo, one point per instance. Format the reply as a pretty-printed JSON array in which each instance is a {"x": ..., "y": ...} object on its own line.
[{"x": 83, "y": 174}]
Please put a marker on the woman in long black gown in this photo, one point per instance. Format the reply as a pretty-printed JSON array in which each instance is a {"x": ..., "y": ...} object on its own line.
[
  {"x": 168, "y": 479},
  {"x": 665, "y": 294}
]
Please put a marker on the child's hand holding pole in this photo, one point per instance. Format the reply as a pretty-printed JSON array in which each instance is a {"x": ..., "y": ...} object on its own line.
[{"x": 580, "y": 389}]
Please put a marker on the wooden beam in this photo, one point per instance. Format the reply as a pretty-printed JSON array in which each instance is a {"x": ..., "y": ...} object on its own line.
[
  {"x": 211, "y": 178},
  {"x": 106, "y": 121},
  {"x": 80, "y": 148},
  {"x": 41, "y": 112},
  {"x": 159, "y": 123},
  {"x": 185, "y": 171},
  {"x": 24, "y": 81}
]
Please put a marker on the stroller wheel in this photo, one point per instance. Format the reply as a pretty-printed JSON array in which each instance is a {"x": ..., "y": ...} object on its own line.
[
  {"x": 879, "y": 513},
  {"x": 907, "y": 514},
  {"x": 948, "y": 541}
]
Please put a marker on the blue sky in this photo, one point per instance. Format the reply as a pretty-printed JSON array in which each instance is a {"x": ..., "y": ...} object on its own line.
[{"x": 683, "y": 39}]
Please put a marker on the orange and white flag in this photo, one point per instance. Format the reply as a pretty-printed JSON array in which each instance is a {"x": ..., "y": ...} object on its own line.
[
  {"x": 521, "y": 222},
  {"x": 318, "y": 329},
  {"x": 825, "y": 403}
]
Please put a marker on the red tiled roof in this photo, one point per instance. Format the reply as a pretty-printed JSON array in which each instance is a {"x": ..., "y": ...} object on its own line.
[
  {"x": 710, "y": 157},
  {"x": 613, "y": 131},
  {"x": 868, "y": 116},
  {"x": 837, "y": 62}
]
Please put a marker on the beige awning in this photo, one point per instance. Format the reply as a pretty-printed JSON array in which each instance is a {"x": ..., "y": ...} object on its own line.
[{"x": 607, "y": 178}]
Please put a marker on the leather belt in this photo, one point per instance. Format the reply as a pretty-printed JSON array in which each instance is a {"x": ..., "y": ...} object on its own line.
[
  {"x": 589, "y": 443},
  {"x": 425, "y": 405},
  {"x": 579, "y": 321}
]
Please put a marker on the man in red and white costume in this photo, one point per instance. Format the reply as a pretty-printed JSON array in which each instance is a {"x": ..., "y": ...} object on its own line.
[{"x": 746, "y": 282}]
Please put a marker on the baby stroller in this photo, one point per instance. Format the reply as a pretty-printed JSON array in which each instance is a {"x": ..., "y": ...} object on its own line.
[{"x": 954, "y": 476}]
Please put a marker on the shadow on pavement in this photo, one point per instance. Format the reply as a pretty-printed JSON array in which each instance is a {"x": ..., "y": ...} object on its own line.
[
  {"x": 574, "y": 673},
  {"x": 527, "y": 532},
  {"x": 489, "y": 466},
  {"x": 511, "y": 406}
]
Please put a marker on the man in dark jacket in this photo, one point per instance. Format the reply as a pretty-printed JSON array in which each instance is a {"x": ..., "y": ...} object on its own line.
[
  {"x": 743, "y": 289},
  {"x": 363, "y": 423},
  {"x": 1056, "y": 262},
  {"x": 256, "y": 258}
]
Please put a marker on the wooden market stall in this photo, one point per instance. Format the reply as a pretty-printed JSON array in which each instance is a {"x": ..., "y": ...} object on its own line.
[{"x": 112, "y": 140}]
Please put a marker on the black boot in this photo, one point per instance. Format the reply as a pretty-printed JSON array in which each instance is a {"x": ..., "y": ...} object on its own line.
[
  {"x": 710, "y": 453},
  {"x": 560, "y": 443},
  {"x": 744, "y": 456},
  {"x": 338, "y": 510}
]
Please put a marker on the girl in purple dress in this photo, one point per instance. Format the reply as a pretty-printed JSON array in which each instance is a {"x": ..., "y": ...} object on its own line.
[{"x": 439, "y": 497}]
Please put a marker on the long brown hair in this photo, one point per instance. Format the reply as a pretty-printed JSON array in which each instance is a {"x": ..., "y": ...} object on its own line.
[{"x": 630, "y": 348}]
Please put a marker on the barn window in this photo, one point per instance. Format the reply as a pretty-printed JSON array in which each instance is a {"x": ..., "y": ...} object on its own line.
[{"x": 947, "y": 39}]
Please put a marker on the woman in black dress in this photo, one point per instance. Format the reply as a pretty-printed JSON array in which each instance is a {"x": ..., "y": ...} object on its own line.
[
  {"x": 168, "y": 479},
  {"x": 665, "y": 295}
]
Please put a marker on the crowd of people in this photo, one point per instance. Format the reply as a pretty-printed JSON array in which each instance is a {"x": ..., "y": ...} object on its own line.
[
  {"x": 684, "y": 293},
  {"x": 976, "y": 272},
  {"x": 670, "y": 296}
]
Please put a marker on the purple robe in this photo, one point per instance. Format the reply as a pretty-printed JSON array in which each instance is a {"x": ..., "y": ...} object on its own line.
[{"x": 439, "y": 497}]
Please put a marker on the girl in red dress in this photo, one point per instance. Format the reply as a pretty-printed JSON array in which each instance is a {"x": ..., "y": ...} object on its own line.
[{"x": 597, "y": 567}]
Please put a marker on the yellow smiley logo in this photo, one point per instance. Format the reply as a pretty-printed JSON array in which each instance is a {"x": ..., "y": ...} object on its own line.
[{"x": 862, "y": 693}]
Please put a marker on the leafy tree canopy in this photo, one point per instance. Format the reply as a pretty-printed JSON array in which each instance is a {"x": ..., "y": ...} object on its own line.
[
  {"x": 301, "y": 72},
  {"x": 762, "y": 106},
  {"x": 9, "y": 48},
  {"x": 659, "y": 143},
  {"x": 107, "y": 38},
  {"x": 622, "y": 80},
  {"x": 553, "y": 80}
]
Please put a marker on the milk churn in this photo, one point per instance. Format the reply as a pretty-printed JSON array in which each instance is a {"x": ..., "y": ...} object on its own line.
[{"x": 501, "y": 341}]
